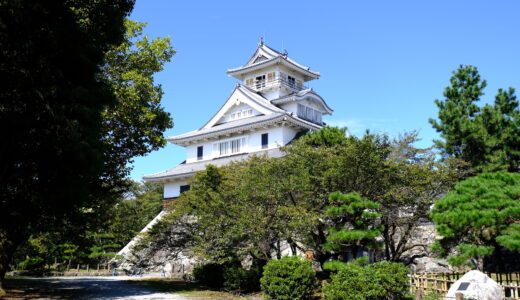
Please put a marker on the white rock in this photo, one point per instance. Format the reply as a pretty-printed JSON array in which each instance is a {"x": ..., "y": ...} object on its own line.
[{"x": 479, "y": 287}]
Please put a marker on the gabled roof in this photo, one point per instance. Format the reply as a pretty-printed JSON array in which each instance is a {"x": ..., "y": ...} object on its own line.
[
  {"x": 241, "y": 125},
  {"x": 250, "y": 98},
  {"x": 302, "y": 95},
  {"x": 185, "y": 170},
  {"x": 268, "y": 57}
]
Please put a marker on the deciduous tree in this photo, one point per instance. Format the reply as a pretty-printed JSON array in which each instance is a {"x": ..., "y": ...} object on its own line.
[{"x": 52, "y": 99}]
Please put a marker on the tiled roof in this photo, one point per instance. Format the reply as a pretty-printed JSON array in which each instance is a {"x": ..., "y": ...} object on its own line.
[
  {"x": 241, "y": 125},
  {"x": 299, "y": 96},
  {"x": 184, "y": 169},
  {"x": 271, "y": 56}
]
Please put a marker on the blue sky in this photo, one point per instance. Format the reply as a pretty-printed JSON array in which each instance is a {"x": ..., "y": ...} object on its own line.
[{"x": 382, "y": 63}]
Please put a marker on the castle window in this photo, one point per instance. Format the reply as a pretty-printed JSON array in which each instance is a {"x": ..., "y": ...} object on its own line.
[
  {"x": 291, "y": 81},
  {"x": 230, "y": 147},
  {"x": 260, "y": 81},
  {"x": 184, "y": 188},
  {"x": 200, "y": 152},
  {"x": 241, "y": 114},
  {"x": 309, "y": 114},
  {"x": 265, "y": 140}
]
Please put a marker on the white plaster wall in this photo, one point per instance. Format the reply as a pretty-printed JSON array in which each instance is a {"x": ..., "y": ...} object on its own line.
[
  {"x": 290, "y": 107},
  {"x": 172, "y": 189},
  {"x": 278, "y": 136},
  {"x": 288, "y": 134}
]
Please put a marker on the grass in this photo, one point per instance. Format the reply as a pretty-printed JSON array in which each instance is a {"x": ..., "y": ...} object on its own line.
[{"x": 191, "y": 290}]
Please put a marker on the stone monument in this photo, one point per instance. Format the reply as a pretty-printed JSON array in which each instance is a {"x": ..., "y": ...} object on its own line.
[{"x": 476, "y": 285}]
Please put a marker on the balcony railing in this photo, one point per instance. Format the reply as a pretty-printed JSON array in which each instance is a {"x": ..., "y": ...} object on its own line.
[{"x": 265, "y": 84}]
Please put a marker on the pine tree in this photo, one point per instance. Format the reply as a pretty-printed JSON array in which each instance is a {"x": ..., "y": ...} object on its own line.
[
  {"x": 355, "y": 228},
  {"x": 488, "y": 137},
  {"x": 479, "y": 216}
]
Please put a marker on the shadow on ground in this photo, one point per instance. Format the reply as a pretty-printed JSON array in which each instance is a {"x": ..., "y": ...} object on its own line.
[{"x": 79, "y": 288}]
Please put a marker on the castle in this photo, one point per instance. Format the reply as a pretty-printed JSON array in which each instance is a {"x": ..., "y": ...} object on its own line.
[{"x": 269, "y": 108}]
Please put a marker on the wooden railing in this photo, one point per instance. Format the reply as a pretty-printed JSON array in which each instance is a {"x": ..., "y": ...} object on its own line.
[{"x": 440, "y": 283}]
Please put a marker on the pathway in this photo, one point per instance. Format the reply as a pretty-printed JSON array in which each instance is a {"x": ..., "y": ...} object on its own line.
[{"x": 102, "y": 288}]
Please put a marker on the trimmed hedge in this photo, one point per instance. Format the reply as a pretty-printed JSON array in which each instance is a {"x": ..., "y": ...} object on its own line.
[
  {"x": 379, "y": 281},
  {"x": 288, "y": 278}
]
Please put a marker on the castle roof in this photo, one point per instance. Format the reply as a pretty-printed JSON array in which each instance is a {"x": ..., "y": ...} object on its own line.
[
  {"x": 241, "y": 125},
  {"x": 265, "y": 56},
  {"x": 187, "y": 170},
  {"x": 301, "y": 95}
]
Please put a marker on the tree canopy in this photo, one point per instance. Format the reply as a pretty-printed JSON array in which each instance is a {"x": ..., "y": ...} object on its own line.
[
  {"x": 263, "y": 207},
  {"x": 478, "y": 216},
  {"x": 487, "y": 137}
]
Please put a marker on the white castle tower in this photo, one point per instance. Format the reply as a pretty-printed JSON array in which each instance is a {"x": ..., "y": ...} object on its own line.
[{"x": 270, "y": 108}]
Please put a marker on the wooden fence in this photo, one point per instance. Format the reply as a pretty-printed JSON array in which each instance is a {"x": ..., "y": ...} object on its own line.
[
  {"x": 440, "y": 283},
  {"x": 70, "y": 270}
]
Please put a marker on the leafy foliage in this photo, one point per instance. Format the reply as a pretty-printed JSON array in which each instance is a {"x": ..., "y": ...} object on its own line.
[
  {"x": 383, "y": 280},
  {"x": 477, "y": 216},
  {"x": 241, "y": 280},
  {"x": 53, "y": 155},
  {"x": 288, "y": 278},
  {"x": 487, "y": 137},
  {"x": 134, "y": 125},
  {"x": 252, "y": 208}
]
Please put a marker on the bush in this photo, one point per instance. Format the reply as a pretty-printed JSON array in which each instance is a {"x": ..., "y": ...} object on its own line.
[
  {"x": 379, "y": 281},
  {"x": 240, "y": 280},
  {"x": 288, "y": 278},
  {"x": 32, "y": 264},
  {"x": 211, "y": 275},
  {"x": 230, "y": 276}
]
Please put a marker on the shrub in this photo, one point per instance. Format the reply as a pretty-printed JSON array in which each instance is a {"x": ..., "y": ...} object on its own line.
[
  {"x": 288, "y": 278},
  {"x": 379, "y": 281},
  {"x": 32, "y": 264},
  {"x": 211, "y": 275},
  {"x": 230, "y": 276},
  {"x": 243, "y": 281}
]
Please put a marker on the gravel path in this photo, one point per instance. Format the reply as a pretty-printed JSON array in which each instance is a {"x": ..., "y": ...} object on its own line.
[{"x": 106, "y": 288}]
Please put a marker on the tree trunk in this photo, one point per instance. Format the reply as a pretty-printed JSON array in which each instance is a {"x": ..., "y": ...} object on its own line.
[
  {"x": 8, "y": 244},
  {"x": 480, "y": 264}
]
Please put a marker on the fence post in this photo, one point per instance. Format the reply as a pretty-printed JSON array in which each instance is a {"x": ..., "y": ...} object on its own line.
[
  {"x": 98, "y": 268},
  {"x": 88, "y": 267},
  {"x": 418, "y": 294}
]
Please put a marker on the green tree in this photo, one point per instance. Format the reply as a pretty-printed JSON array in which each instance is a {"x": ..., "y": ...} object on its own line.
[
  {"x": 489, "y": 137},
  {"x": 134, "y": 125},
  {"x": 355, "y": 225},
  {"x": 131, "y": 213},
  {"x": 104, "y": 248},
  {"x": 477, "y": 217},
  {"x": 255, "y": 207},
  {"x": 52, "y": 100}
]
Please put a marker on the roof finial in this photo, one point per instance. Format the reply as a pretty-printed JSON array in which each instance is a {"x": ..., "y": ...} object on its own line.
[
  {"x": 261, "y": 41},
  {"x": 285, "y": 53}
]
